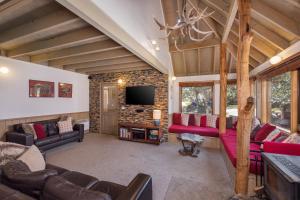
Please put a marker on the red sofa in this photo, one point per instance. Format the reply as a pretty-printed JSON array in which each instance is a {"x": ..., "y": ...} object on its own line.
[
  {"x": 203, "y": 130},
  {"x": 229, "y": 142}
]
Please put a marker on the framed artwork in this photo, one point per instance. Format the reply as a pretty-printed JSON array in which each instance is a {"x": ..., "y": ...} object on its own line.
[
  {"x": 41, "y": 88},
  {"x": 65, "y": 90}
]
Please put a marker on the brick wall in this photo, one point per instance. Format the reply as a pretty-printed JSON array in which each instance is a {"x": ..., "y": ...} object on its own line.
[{"x": 129, "y": 114}]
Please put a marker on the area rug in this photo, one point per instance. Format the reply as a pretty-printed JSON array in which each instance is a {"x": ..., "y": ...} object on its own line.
[{"x": 187, "y": 189}]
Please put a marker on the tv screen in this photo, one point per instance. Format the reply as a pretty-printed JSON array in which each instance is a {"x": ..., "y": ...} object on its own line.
[{"x": 140, "y": 95}]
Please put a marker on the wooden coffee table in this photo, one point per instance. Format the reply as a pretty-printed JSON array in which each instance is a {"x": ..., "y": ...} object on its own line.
[{"x": 191, "y": 144}]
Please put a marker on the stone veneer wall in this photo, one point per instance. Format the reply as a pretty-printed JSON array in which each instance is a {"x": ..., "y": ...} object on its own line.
[{"x": 129, "y": 114}]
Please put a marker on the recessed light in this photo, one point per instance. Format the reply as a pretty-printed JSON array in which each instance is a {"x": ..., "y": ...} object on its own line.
[
  {"x": 157, "y": 48},
  {"x": 4, "y": 70},
  {"x": 120, "y": 81},
  {"x": 275, "y": 59},
  {"x": 153, "y": 42},
  {"x": 173, "y": 78}
]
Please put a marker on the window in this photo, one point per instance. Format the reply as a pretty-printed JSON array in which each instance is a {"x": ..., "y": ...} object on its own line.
[
  {"x": 279, "y": 93},
  {"x": 231, "y": 108},
  {"x": 197, "y": 99}
]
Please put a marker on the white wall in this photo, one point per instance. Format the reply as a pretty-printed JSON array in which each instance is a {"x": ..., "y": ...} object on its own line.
[
  {"x": 14, "y": 91},
  {"x": 203, "y": 78}
]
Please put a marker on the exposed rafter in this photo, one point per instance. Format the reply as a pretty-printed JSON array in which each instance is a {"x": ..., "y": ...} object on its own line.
[
  {"x": 195, "y": 45},
  {"x": 119, "y": 66},
  {"x": 230, "y": 19},
  {"x": 95, "y": 47}
]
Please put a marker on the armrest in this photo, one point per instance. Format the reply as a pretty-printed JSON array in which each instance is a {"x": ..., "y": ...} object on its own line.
[
  {"x": 139, "y": 188},
  {"x": 20, "y": 138},
  {"x": 80, "y": 128},
  {"x": 282, "y": 148}
]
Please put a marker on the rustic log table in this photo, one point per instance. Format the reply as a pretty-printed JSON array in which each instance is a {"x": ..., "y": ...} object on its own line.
[{"x": 191, "y": 144}]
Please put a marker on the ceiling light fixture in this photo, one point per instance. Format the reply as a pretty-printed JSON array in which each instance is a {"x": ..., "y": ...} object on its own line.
[
  {"x": 174, "y": 78},
  {"x": 120, "y": 81},
  {"x": 154, "y": 42},
  {"x": 157, "y": 48},
  {"x": 275, "y": 59},
  {"x": 4, "y": 70}
]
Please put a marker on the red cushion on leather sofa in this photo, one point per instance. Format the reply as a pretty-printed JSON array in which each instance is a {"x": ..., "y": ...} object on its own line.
[
  {"x": 40, "y": 131},
  {"x": 204, "y": 131},
  {"x": 262, "y": 133},
  {"x": 177, "y": 118},
  {"x": 203, "y": 121}
]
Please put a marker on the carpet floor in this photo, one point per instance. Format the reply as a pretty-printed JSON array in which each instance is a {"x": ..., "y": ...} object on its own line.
[{"x": 174, "y": 176}]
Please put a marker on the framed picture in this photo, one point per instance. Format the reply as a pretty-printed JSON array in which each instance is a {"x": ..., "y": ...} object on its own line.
[
  {"x": 65, "y": 90},
  {"x": 41, "y": 88}
]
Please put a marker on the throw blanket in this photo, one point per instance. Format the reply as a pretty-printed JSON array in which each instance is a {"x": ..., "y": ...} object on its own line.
[{"x": 10, "y": 151}]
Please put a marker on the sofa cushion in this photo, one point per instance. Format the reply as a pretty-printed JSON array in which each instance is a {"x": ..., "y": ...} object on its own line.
[
  {"x": 65, "y": 126},
  {"x": 264, "y": 132},
  {"x": 177, "y": 118},
  {"x": 11, "y": 194},
  {"x": 273, "y": 135},
  {"x": 254, "y": 131},
  {"x": 80, "y": 179},
  {"x": 204, "y": 131},
  {"x": 113, "y": 189},
  {"x": 203, "y": 121},
  {"x": 29, "y": 128},
  {"x": 185, "y": 119},
  {"x": 211, "y": 121},
  {"x": 57, "y": 187},
  {"x": 292, "y": 139},
  {"x": 197, "y": 120},
  {"x": 40, "y": 130},
  {"x": 52, "y": 128},
  {"x": 192, "y": 120},
  {"x": 68, "y": 135},
  {"x": 47, "y": 140}
]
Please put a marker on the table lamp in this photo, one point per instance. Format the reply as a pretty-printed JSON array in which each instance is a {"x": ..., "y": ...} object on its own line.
[{"x": 156, "y": 117}]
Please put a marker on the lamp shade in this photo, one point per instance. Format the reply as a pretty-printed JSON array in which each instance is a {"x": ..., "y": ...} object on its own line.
[{"x": 156, "y": 114}]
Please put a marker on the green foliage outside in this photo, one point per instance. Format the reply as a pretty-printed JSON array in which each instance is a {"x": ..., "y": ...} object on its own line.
[{"x": 197, "y": 99}]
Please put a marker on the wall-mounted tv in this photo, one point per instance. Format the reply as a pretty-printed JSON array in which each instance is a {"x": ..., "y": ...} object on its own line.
[{"x": 140, "y": 95}]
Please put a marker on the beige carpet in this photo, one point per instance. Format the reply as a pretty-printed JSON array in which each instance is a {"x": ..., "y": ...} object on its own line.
[{"x": 174, "y": 176}]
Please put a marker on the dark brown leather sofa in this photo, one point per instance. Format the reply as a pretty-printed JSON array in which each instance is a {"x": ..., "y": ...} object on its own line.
[
  {"x": 53, "y": 138},
  {"x": 55, "y": 183}
]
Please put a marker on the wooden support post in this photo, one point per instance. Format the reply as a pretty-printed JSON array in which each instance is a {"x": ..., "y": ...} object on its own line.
[
  {"x": 264, "y": 101},
  {"x": 245, "y": 101},
  {"x": 223, "y": 88},
  {"x": 294, "y": 101}
]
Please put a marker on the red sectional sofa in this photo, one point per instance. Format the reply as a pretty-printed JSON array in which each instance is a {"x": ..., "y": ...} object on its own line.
[
  {"x": 229, "y": 142},
  {"x": 203, "y": 130}
]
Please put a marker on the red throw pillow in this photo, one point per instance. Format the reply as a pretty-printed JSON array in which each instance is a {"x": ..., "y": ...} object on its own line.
[
  {"x": 218, "y": 122},
  {"x": 177, "y": 118},
  {"x": 192, "y": 120},
  {"x": 40, "y": 131},
  {"x": 262, "y": 133},
  {"x": 203, "y": 121}
]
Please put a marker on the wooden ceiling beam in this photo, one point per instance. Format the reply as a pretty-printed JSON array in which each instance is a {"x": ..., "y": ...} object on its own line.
[
  {"x": 115, "y": 61},
  {"x": 260, "y": 10},
  {"x": 38, "y": 26},
  {"x": 100, "y": 46},
  {"x": 195, "y": 45},
  {"x": 70, "y": 39},
  {"x": 108, "y": 67},
  {"x": 119, "y": 70},
  {"x": 118, "y": 53},
  {"x": 230, "y": 20}
]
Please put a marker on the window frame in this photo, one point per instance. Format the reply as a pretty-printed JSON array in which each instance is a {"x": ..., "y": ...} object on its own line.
[{"x": 197, "y": 84}]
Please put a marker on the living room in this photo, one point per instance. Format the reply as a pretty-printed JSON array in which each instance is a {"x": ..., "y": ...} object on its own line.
[{"x": 170, "y": 99}]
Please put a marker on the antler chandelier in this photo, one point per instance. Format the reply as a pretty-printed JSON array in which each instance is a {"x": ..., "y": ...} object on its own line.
[{"x": 186, "y": 23}]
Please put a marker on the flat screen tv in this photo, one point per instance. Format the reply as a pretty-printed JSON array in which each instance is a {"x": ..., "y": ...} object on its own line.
[{"x": 140, "y": 95}]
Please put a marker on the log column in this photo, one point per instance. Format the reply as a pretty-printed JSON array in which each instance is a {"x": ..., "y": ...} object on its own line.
[
  {"x": 245, "y": 101},
  {"x": 294, "y": 101},
  {"x": 223, "y": 88}
]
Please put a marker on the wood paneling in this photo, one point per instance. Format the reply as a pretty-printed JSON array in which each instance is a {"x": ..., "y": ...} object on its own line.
[
  {"x": 294, "y": 101},
  {"x": 6, "y": 125}
]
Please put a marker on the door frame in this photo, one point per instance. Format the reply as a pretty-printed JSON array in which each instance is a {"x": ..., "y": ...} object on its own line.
[{"x": 102, "y": 85}]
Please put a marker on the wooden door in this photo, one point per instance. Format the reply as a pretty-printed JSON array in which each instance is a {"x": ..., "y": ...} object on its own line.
[{"x": 110, "y": 109}]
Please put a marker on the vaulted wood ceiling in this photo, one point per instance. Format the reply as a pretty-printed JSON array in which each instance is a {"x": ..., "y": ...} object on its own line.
[
  {"x": 275, "y": 24},
  {"x": 44, "y": 32}
]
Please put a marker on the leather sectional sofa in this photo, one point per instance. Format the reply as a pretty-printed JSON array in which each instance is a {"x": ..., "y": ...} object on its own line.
[
  {"x": 55, "y": 183},
  {"x": 53, "y": 138}
]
